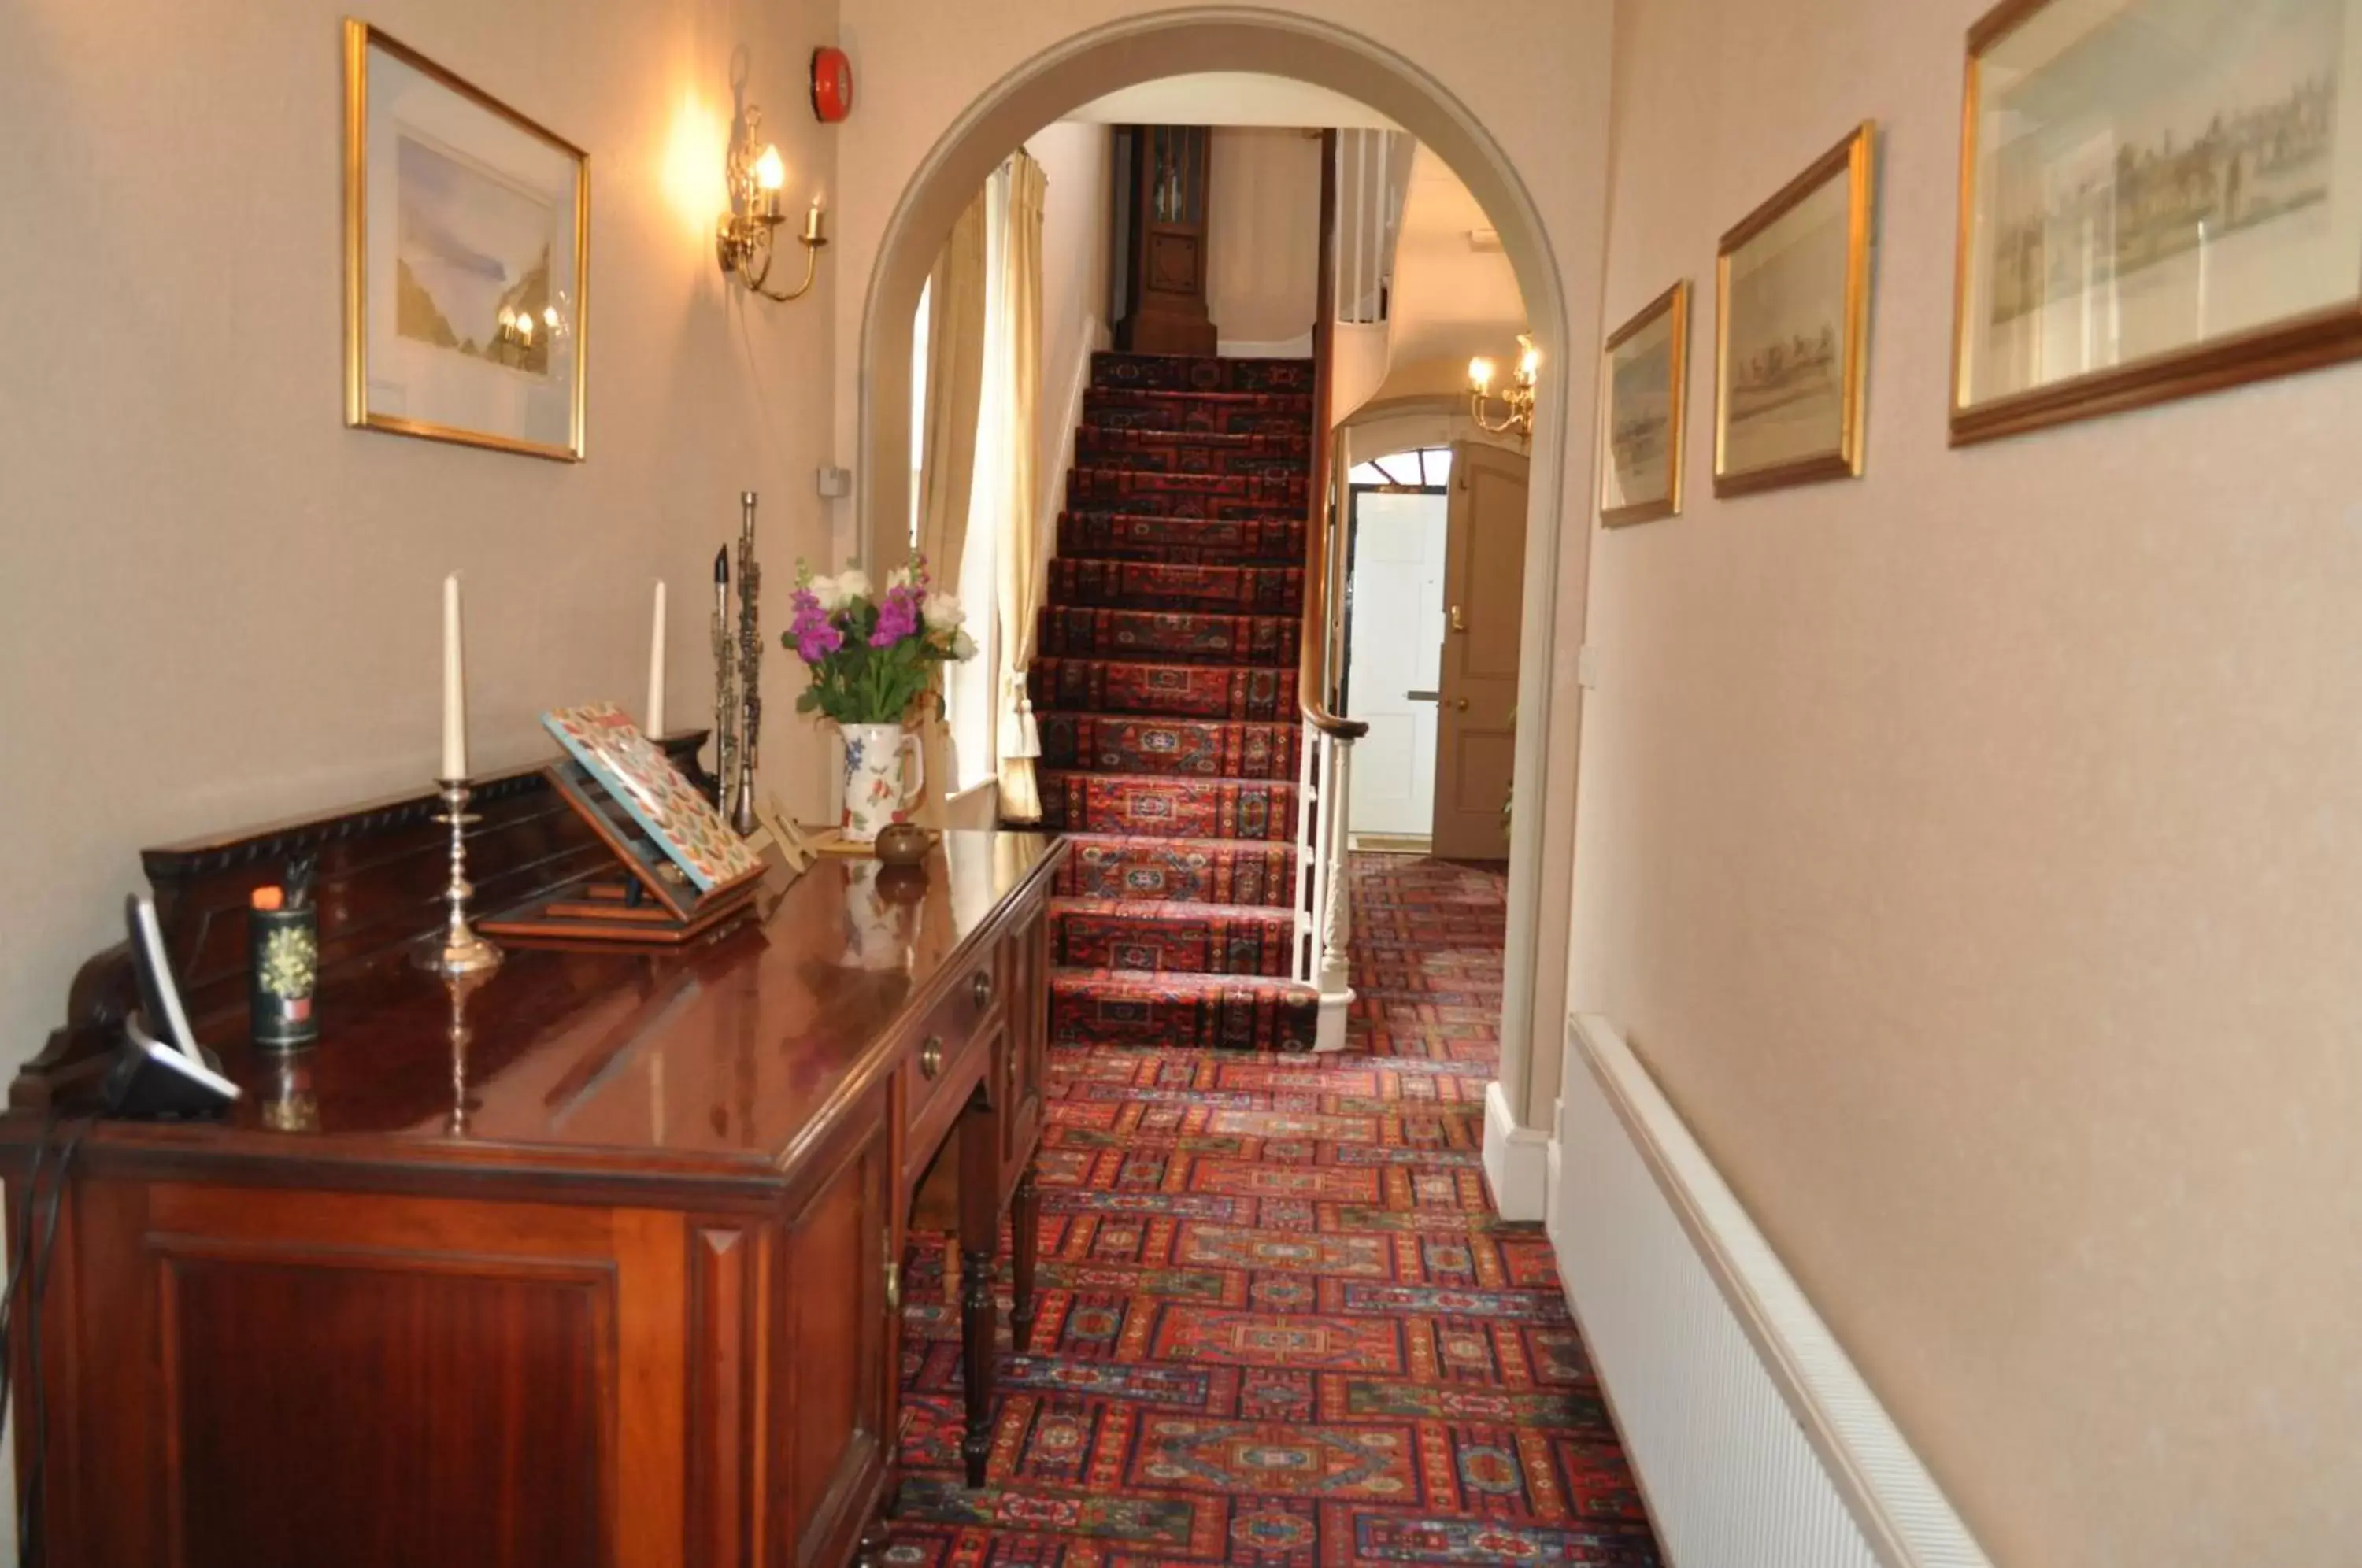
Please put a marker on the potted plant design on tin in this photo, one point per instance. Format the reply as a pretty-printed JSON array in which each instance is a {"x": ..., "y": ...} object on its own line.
[{"x": 872, "y": 657}]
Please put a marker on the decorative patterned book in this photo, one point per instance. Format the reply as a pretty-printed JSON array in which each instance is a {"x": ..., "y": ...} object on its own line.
[{"x": 683, "y": 824}]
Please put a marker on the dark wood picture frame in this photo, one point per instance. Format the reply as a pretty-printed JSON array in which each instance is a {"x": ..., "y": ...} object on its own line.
[
  {"x": 2303, "y": 341},
  {"x": 1852, "y": 159},
  {"x": 1674, "y": 303}
]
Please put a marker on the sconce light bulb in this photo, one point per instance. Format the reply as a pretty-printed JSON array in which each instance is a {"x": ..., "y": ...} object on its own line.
[
  {"x": 1480, "y": 374},
  {"x": 508, "y": 316},
  {"x": 1529, "y": 363},
  {"x": 524, "y": 326},
  {"x": 770, "y": 173},
  {"x": 549, "y": 315}
]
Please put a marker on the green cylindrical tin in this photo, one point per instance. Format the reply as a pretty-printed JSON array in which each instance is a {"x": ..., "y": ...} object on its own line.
[{"x": 283, "y": 968}]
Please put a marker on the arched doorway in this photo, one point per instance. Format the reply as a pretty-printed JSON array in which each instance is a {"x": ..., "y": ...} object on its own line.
[{"x": 1127, "y": 51}]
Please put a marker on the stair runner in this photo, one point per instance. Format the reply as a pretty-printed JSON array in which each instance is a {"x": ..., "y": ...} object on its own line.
[{"x": 1165, "y": 689}]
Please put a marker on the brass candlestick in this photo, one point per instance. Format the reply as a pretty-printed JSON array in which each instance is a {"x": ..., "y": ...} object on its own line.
[{"x": 459, "y": 951}]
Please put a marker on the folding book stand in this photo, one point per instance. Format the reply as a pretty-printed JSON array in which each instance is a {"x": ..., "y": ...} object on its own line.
[{"x": 654, "y": 904}]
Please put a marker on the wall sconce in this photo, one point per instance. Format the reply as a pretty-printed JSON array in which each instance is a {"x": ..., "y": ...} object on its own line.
[
  {"x": 742, "y": 239},
  {"x": 1516, "y": 399}
]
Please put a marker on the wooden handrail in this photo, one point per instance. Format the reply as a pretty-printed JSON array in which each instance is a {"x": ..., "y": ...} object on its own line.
[{"x": 1312, "y": 652}]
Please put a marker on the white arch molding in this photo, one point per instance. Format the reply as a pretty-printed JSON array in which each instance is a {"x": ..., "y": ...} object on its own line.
[{"x": 1123, "y": 53}]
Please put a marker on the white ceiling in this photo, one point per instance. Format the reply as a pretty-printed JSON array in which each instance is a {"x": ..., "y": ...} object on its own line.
[
  {"x": 1455, "y": 295},
  {"x": 1229, "y": 98}
]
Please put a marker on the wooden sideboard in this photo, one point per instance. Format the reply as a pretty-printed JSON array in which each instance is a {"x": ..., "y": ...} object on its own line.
[{"x": 594, "y": 1262}]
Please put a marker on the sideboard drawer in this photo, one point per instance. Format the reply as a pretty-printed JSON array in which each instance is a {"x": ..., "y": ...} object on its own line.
[{"x": 948, "y": 1057}]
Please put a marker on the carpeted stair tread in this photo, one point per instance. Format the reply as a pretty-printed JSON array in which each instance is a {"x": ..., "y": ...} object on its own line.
[
  {"x": 1135, "y": 934},
  {"x": 1134, "y": 687},
  {"x": 1149, "y": 804},
  {"x": 1168, "y": 637},
  {"x": 1193, "y": 451},
  {"x": 1179, "y": 747},
  {"x": 1140, "y": 489},
  {"x": 1183, "y": 541},
  {"x": 1181, "y": 372},
  {"x": 1241, "y": 414},
  {"x": 1162, "y": 585},
  {"x": 1116, "y": 1008},
  {"x": 1239, "y": 873}
]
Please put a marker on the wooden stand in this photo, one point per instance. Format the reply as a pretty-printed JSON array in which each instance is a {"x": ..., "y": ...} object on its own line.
[{"x": 654, "y": 904}]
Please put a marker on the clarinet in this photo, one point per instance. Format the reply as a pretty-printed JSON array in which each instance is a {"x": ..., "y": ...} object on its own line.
[{"x": 750, "y": 666}]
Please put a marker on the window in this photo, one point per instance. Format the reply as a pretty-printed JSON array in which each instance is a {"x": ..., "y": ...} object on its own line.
[
  {"x": 1427, "y": 467},
  {"x": 918, "y": 397},
  {"x": 970, "y": 689}
]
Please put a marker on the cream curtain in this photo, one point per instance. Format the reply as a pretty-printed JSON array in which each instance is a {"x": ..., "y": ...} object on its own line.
[
  {"x": 956, "y": 324},
  {"x": 1022, "y": 559}
]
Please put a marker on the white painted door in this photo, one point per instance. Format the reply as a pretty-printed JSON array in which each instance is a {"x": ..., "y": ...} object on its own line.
[{"x": 1399, "y": 548}]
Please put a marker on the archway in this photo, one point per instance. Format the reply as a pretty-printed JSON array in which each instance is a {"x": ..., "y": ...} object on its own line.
[{"x": 1131, "y": 51}]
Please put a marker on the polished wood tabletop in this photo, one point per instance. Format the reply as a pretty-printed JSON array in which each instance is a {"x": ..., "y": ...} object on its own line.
[{"x": 717, "y": 1058}]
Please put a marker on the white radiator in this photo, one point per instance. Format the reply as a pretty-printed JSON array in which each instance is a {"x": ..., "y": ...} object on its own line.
[{"x": 1756, "y": 1442}]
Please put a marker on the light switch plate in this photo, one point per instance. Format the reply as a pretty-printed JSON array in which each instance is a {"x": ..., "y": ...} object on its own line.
[{"x": 835, "y": 484}]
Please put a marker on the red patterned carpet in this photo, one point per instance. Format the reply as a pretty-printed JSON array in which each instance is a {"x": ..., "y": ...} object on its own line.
[
  {"x": 1166, "y": 694},
  {"x": 1279, "y": 1324}
]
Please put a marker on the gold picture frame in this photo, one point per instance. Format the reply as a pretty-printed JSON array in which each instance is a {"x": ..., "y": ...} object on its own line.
[
  {"x": 2167, "y": 215},
  {"x": 466, "y": 267},
  {"x": 1796, "y": 270},
  {"x": 1643, "y": 397}
]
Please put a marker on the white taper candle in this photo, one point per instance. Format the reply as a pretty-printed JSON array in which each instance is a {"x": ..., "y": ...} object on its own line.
[
  {"x": 656, "y": 713},
  {"x": 454, "y": 686}
]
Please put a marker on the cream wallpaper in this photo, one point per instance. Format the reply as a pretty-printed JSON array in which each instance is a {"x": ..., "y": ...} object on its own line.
[
  {"x": 218, "y": 605},
  {"x": 1971, "y": 851}
]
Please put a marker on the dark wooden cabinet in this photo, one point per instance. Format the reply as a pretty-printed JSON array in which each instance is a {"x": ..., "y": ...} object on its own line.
[
  {"x": 596, "y": 1263},
  {"x": 1160, "y": 238}
]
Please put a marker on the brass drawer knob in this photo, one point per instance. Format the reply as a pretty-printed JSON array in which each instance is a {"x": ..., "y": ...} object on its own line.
[
  {"x": 930, "y": 1057},
  {"x": 983, "y": 988}
]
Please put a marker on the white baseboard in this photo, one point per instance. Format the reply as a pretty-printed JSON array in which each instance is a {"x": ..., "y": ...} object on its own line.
[
  {"x": 1756, "y": 1442},
  {"x": 1053, "y": 500},
  {"x": 1273, "y": 349},
  {"x": 1517, "y": 1159}
]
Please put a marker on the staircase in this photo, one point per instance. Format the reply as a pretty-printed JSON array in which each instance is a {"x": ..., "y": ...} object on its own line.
[{"x": 1165, "y": 691}]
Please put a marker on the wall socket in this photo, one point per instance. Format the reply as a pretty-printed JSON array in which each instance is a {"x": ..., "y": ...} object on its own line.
[{"x": 834, "y": 484}]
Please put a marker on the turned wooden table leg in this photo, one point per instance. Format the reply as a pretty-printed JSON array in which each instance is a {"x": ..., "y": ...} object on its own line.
[{"x": 1025, "y": 1241}]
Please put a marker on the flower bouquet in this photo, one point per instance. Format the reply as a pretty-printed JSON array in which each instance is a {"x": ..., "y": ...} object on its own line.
[{"x": 872, "y": 657}]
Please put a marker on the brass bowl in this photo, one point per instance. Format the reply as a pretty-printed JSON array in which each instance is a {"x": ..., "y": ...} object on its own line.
[{"x": 903, "y": 844}]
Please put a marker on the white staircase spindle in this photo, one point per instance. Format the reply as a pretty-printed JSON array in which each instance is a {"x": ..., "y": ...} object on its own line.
[{"x": 1336, "y": 929}]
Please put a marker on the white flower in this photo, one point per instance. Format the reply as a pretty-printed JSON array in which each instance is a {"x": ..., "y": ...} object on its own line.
[
  {"x": 854, "y": 583},
  {"x": 963, "y": 645},
  {"x": 830, "y": 591},
  {"x": 943, "y": 612},
  {"x": 899, "y": 577}
]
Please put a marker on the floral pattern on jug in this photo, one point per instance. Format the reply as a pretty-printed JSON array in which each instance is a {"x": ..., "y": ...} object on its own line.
[{"x": 883, "y": 775}]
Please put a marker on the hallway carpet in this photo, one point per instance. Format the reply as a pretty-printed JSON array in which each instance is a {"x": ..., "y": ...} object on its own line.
[
  {"x": 1165, "y": 695},
  {"x": 1279, "y": 1323}
]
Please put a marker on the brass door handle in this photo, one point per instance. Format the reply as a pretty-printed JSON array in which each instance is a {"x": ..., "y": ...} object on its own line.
[
  {"x": 1459, "y": 622},
  {"x": 930, "y": 1057},
  {"x": 1462, "y": 705},
  {"x": 982, "y": 989}
]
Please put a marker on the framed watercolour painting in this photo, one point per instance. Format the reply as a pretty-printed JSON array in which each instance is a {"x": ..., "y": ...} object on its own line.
[
  {"x": 1645, "y": 374},
  {"x": 2158, "y": 198},
  {"x": 1792, "y": 329},
  {"x": 467, "y": 231}
]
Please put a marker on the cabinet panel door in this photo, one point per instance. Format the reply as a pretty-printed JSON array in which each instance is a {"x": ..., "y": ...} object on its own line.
[
  {"x": 275, "y": 1379},
  {"x": 832, "y": 1387}
]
